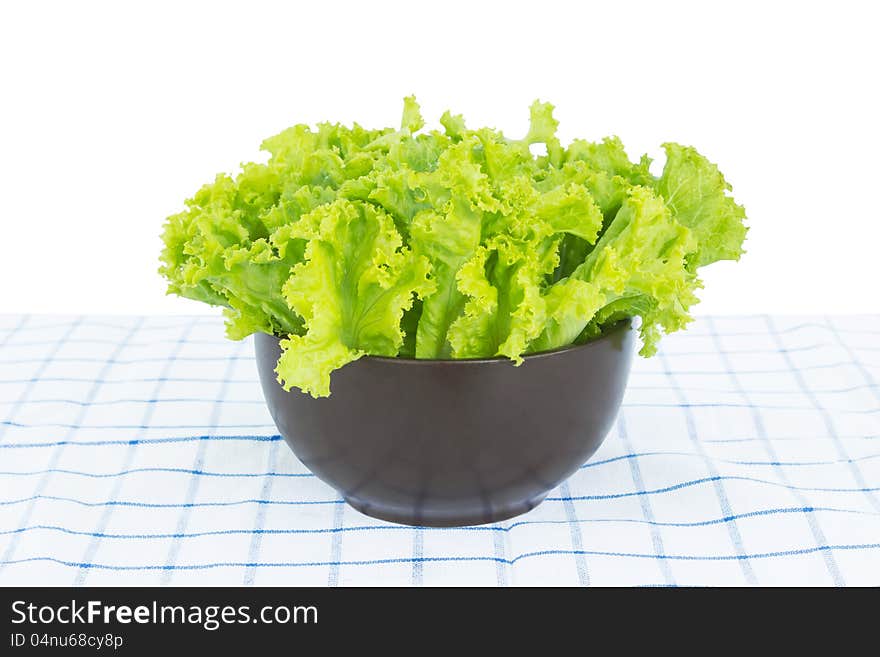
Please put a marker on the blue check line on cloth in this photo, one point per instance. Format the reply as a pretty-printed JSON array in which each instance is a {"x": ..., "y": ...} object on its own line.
[
  {"x": 577, "y": 542},
  {"x": 561, "y": 498},
  {"x": 149, "y": 411},
  {"x": 22, "y": 321},
  {"x": 119, "y": 381},
  {"x": 717, "y": 477},
  {"x": 257, "y": 532},
  {"x": 336, "y": 543},
  {"x": 804, "y": 368},
  {"x": 183, "y": 471},
  {"x": 644, "y": 500},
  {"x": 502, "y": 568},
  {"x": 107, "y": 402},
  {"x": 164, "y": 427},
  {"x": 110, "y": 341},
  {"x": 260, "y": 402},
  {"x": 418, "y": 540},
  {"x": 780, "y": 439},
  {"x": 720, "y": 493},
  {"x": 131, "y": 361},
  {"x": 797, "y": 327},
  {"x": 139, "y": 448},
  {"x": 866, "y": 386},
  {"x": 406, "y": 560},
  {"x": 57, "y": 454},
  {"x": 498, "y": 527},
  {"x": 198, "y": 464},
  {"x": 815, "y": 528},
  {"x": 28, "y": 389},
  {"x": 590, "y": 464},
  {"x": 273, "y": 438},
  {"x": 870, "y": 383},
  {"x": 829, "y": 423},
  {"x": 144, "y": 441}
]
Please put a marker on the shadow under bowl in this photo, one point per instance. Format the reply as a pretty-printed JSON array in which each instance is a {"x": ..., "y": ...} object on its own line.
[{"x": 453, "y": 442}]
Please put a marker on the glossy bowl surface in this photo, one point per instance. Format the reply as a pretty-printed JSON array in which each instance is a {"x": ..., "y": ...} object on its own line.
[{"x": 453, "y": 442}]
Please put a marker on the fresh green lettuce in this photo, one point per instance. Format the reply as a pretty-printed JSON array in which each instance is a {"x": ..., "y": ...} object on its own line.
[{"x": 453, "y": 243}]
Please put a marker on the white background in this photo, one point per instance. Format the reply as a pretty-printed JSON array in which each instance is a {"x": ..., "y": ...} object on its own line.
[{"x": 111, "y": 115}]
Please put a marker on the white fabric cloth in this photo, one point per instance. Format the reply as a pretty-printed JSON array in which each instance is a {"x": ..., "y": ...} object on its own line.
[{"x": 139, "y": 451}]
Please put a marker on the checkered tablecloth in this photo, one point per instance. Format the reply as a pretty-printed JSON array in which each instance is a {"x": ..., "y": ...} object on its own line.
[{"x": 138, "y": 450}]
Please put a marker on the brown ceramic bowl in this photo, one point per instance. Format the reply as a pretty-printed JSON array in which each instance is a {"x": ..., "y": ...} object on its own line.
[{"x": 453, "y": 442}]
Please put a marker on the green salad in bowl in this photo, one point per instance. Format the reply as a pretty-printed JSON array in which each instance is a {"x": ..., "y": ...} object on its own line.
[{"x": 452, "y": 243}]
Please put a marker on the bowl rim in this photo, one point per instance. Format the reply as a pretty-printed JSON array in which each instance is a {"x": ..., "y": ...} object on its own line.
[{"x": 620, "y": 326}]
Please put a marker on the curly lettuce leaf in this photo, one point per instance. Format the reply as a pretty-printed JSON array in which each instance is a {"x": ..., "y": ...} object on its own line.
[
  {"x": 448, "y": 240},
  {"x": 609, "y": 156},
  {"x": 638, "y": 264},
  {"x": 213, "y": 254},
  {"x": 696, "y": 192},
  {"x": 505, "y": 310},
  {"x": 351, "y": 290}
]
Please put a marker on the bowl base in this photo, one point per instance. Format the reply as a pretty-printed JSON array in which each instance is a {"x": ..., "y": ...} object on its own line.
[{"x": 428, "y": 518}]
